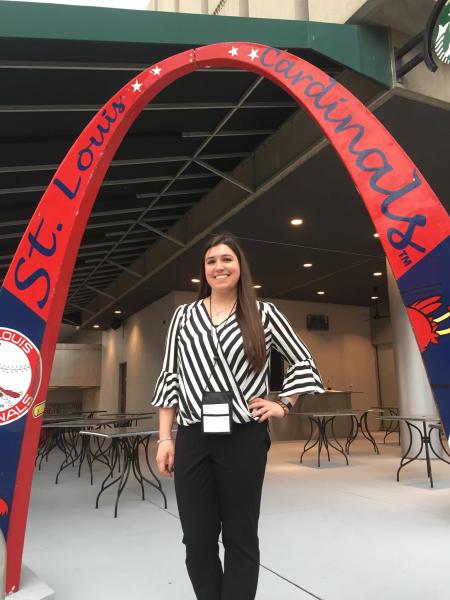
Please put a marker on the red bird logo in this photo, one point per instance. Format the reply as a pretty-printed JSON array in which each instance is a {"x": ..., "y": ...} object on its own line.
[
  {"x": 425, "y": 326},
  {"x": 9, "y": 393},
  {"x": 3, "y": 508}
]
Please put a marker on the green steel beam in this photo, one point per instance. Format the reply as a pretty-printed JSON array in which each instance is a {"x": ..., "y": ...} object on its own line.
[{"x": 362, "y": 49}]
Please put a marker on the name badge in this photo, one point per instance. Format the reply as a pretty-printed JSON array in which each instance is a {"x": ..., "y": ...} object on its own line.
[{"x": 217, "y": 414}]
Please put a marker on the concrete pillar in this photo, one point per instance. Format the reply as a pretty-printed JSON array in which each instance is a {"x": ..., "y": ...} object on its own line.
[
  {"x": 288, "y": 9},
  {"x": 413, "y": 389},
  {"x": 198, "y": 7},
  {"x": 330, "y": 11},
  {"x": 165, "y": 5}
]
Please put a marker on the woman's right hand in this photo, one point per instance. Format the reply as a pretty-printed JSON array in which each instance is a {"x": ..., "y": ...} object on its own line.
[{"x": 165, "y": 457}]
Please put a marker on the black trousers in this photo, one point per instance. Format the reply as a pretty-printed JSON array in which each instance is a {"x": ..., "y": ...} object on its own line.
[{"x": 218, "y": 484}]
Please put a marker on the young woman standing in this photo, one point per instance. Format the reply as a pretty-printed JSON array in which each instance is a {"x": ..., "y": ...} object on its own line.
[{"x": 214, "y": 380}]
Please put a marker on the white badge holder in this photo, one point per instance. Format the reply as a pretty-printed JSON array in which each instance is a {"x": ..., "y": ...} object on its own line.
[{"x": 217, "y": 412}]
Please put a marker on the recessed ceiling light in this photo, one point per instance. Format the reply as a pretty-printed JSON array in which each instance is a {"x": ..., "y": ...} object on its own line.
[
  {"x": 195, "y": 280},
  {"x": 377, "y": 235},
  {"x": 117, "y": 312},
  {"x": 296, "y": 221},
  {"x": 257, "y": 287},
  {"x": 374, "y": 297},
  {"x": 321, "y": 293},
  {"x": 378, "y": 274},
  {"x": 96, "y": 326},
  {"x": 307, "y": 265}
]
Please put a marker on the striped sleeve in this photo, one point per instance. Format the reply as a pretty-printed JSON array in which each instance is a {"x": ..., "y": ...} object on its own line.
[
  {"x": 302, "y": 376},
  {"x": 166, "y": 389}
]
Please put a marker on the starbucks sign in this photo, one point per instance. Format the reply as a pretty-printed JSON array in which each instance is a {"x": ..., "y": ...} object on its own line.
[{"x": 441, "y": 35}]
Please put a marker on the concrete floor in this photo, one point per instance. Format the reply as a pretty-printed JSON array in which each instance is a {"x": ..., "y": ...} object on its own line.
[{"x": 335, "y": 533}]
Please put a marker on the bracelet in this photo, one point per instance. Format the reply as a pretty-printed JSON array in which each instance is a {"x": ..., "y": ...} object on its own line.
[
  {"x": 164, "y": 440},
  {"x": 283, "y": 406}
]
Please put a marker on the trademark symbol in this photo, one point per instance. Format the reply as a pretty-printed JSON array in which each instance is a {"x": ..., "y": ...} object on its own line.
[{"x": 405, "y": 258}]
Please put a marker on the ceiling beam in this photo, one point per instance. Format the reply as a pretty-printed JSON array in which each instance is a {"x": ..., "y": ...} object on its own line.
[
  {"x": 159, "y": 195},
  {"x": 64, "y": 108},
  {"x": 97, "y": 291},
  {"x": 79, "y": 307},
  {"x": 146, "y": 240},
  {"x": 123, "y": 268},
  {"x": 109, "y": 234},
  {"x": 67, "y": 321},
  {"x": 106, "y": 183},
  {"x": 227, "y": 133},
  {"x": 126, "y": 162},
  {"x": 160, "y": 233},
  {"x": 124, "y": 211},
  {"x": 87, "y": 267},
  {"x": 295, "y": 143},
  {"x": 132, "y": 249},
  {"x": 99, "y": 280},
  {"x": 253, "y": 86},
  {"x": 109, "y": 213},
  {"x": 224, "y": 176},
  {"x": 131, "y": 256},
  {"x": 102, "y": 225}
]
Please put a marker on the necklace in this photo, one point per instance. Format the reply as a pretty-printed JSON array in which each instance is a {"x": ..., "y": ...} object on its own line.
[{"x": 218, "y": 313}]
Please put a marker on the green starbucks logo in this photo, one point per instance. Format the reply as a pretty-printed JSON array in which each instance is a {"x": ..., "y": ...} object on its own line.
[{"x": 441, "y": 35}]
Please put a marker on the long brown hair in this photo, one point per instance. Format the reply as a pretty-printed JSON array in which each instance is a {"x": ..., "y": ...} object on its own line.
[{"x": 247, "y": 314}]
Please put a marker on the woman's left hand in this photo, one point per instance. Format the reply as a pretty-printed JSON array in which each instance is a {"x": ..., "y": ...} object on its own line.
[{"x": 263, "y": 409}]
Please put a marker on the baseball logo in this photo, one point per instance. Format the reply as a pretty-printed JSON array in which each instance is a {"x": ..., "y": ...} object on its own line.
[{"x": 20, "y": 374}]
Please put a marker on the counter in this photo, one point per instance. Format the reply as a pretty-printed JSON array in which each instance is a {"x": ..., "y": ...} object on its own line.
[{"x": 297, "y": 428}]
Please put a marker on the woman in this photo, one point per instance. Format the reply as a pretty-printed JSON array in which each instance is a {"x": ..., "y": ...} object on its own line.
[{"x": 221, "y": 343}]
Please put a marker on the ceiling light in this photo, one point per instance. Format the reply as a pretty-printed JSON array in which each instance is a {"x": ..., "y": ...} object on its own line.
[
  {"x": 296, "y": 221},
  {"x": 374, "y": 297},
  {"x": 194, "y": 280},
  {"x": 378, "y": 274},
  {"x": 377, "y": 235},
  {"x": 307, "y": 265},
  {"x": 321, "y": 293},
  {"x": 117, "y": 312},
  {"x": 96, "y": 326},
  {"x": 257, "y": 287}
]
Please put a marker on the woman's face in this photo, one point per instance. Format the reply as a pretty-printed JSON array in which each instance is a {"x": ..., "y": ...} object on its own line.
[{"x": 222, "y": 268}]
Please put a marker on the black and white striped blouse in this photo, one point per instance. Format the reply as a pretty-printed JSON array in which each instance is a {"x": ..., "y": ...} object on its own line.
[{"x": 189, "y": 367}]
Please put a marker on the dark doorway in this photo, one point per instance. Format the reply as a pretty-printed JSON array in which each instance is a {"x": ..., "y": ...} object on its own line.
[
  {"x": 123, "y": 387},
  {"x": 276, "y": 371}
]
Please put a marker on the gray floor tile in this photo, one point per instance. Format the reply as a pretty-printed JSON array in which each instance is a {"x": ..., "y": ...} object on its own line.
[{"x": 334, "y": 533}]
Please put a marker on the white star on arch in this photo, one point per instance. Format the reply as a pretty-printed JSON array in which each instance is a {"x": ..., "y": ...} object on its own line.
[
  {"x": 233, "y": 51},
  {"x": 253, "y": 54},
  {"x": 156, "y": 71},
  {"x": 137, "y": 86}
]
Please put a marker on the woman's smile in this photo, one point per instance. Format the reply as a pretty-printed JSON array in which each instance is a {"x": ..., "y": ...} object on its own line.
[{"x": 222, "y": 268}]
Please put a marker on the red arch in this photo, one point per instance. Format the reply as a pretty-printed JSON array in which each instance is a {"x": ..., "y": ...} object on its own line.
[{"x": 408, "y": 216}]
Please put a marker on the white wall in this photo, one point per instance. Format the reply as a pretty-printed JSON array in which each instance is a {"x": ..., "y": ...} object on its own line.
[
  {"x": 335, "y": 11},
  {"x": 76, "y": 365},
  {"x": 90, "y": 399},
  {"x": 112, "y": 352},
  {"x": 283, "y": 9},
  {"x": 345, "y": 354},
  {"x": 140, "y": 343},
  {"x": 270, "y": 9}
]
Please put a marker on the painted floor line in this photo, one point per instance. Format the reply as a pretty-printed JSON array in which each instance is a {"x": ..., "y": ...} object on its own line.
[{"x": 166, "y": 511}]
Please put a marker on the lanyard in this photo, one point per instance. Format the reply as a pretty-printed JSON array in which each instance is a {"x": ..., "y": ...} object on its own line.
[{"x": 215, "y": 345}]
